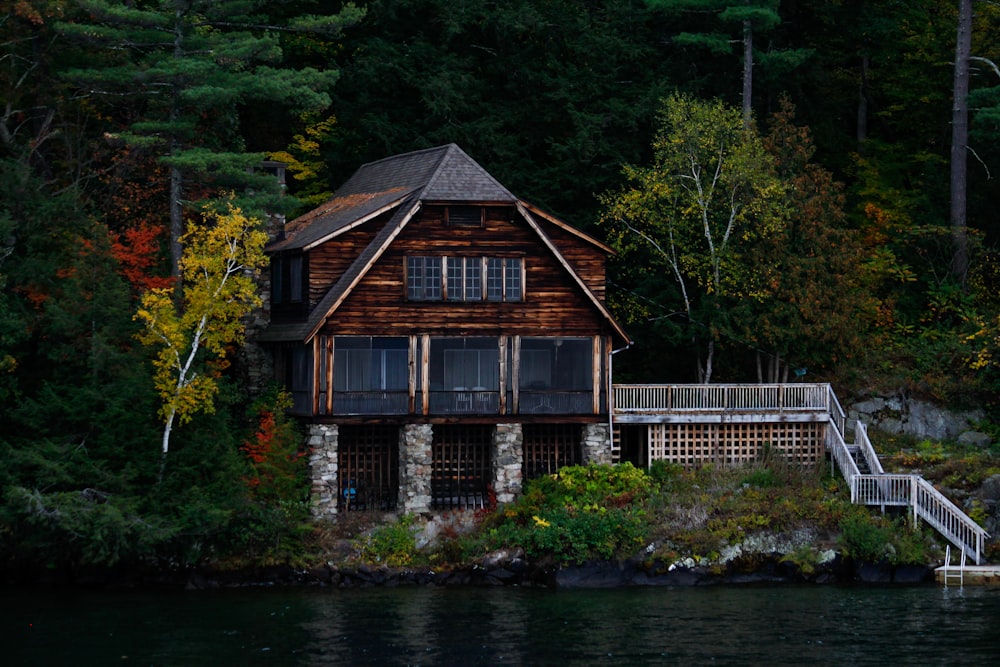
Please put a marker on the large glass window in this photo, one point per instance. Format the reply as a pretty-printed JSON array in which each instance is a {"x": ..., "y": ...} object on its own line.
[
  {"x": 364, "y": 363},
  {"x": 465, "y": 363},
  {"x": 556, "y": 375},
  {"x": 287, "y": 279},
  {"x": 295, "y": 279}
]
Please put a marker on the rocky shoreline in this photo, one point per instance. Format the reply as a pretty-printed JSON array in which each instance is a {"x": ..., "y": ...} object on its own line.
[{"x": 505, "y": 568}]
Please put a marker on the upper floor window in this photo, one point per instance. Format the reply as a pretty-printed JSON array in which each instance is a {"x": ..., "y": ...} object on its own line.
[
  {"x": 464, "y": 278},
  {"x": 287, "y": 279}
]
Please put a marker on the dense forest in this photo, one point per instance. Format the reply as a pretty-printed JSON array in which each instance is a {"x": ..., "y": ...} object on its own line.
[{"x": 854, "y": 238}]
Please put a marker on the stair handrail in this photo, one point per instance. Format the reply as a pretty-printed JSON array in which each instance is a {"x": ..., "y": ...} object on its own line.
[
  {"x": 947, "y": 518},
  {"x": 913, "y": 491},
  {"x": 837, "y": 415},
  {"x": 864, "y": 444},
  {"x": 842, "y": 456}
]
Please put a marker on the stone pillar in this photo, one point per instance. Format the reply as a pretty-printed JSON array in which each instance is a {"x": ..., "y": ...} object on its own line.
[
  {"x": 415, "y": 461},
  {"x": 508, "y": 460},
  {"x": 596, "y": 444},
  {"x": 321, "y": 443}
]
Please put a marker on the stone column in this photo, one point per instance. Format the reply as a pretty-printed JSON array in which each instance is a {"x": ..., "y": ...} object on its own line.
[
  {"x": 321, "y": 443},
  {"x": 596, "y": 444},
  {"x": 508, "y": 460},
  {"x": 415, "y": 461}
]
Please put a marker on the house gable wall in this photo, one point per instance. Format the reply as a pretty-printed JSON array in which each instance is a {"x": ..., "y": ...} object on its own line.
[{"x": 553, "y": 303}]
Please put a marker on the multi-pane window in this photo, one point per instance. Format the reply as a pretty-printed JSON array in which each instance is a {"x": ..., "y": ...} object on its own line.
[
  {"x": 423, "y": 278},
  {"x": 461, "y": 278},
  {"x": 512, "y": 279}
]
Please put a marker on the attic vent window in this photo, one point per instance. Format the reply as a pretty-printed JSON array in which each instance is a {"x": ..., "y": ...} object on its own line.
[{"x": 465, "y": 216}]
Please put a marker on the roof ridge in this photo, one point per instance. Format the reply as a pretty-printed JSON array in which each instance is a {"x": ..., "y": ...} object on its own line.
[
  {"x": 410, "y": 154},
  {"x": 448, "y": 149}
]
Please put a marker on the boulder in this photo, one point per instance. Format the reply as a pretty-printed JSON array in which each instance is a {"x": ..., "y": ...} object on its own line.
[
  {"x": 975, "y": 439},
  {"x": 902, "y": 415}
]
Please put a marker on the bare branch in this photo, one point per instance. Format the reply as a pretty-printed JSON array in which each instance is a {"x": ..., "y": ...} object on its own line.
[{"x": 988, "y": 62}]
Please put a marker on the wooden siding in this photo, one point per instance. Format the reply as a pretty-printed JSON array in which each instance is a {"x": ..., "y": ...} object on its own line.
[
  {"x": 553, "y": 303},
  {"x": 330, "y": 260},
  {"x": 586, "y": 260}
]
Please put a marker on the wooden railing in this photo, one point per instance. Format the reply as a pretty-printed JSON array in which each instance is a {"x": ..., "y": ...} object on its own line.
[
  {"x": 702, "y": 398},
  {"x": 913, "y": 491}
]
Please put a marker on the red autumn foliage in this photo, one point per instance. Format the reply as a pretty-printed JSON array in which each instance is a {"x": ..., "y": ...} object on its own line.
[
  {"x": 273, "y": 453},
  {"x": 137, "y": 251}
]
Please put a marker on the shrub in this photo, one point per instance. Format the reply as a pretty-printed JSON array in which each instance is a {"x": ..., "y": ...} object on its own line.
[
  {"x": 872, "y": 539},
  {"x": 392, "y": 544}
]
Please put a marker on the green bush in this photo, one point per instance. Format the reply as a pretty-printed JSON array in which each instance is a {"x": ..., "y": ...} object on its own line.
[
  {"x": 872, "y": 539},
  {"x": 392, "y": 544},
  {"x": 580, "y": 513}
]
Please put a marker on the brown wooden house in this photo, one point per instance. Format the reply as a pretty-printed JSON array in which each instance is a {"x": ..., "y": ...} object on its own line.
[{"x": 443, "y": 339}]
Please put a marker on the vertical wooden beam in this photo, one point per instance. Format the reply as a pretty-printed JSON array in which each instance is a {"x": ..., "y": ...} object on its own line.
[
  {"x": 595, "y": 369},
  {"x": 411, "y": 383},
  {"x": 315, "y": 374},
  {"x": 515, "y": 374},
  {"x": 329, "y": 374},
  {"x": 425, "y": 366}
]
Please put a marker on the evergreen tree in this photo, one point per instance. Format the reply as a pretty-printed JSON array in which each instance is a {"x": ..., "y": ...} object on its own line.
[
  {"x": 184, "y": 70},
  {"x": 748, "y": 17}
]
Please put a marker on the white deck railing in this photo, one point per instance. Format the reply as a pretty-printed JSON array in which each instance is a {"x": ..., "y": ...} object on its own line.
[{"x": 665, "y": 398}]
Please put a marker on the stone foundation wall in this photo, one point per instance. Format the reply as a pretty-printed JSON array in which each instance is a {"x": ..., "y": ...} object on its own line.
[
  {"x": 596, "y": 444},
  {"x": 321, "y": 444},
  {"x": 508, "y": 462},
  {"x": 415, "y": 461}
]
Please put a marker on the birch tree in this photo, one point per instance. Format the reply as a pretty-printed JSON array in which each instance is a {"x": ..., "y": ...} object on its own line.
[
  {"x": 710, "y": 195},
  {"x": 218, "y": 267}
]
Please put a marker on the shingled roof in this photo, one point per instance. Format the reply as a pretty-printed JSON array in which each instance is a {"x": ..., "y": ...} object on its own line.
[
  {"x": 401, "y": 185},
  {"x": 442, "y": 174}
]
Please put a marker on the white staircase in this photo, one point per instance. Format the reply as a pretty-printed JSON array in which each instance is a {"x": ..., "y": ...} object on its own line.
[{"x": 876, "y": 487}]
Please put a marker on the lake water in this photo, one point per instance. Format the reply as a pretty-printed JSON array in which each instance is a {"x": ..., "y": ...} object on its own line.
[{"x": 786, "y": 625}]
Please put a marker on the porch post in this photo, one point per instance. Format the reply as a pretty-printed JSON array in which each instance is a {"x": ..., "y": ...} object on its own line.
[{"x": 322, "y": 443}]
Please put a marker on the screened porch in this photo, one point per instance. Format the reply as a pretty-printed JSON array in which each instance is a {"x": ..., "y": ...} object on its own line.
[{"x": 432, "y": 375}]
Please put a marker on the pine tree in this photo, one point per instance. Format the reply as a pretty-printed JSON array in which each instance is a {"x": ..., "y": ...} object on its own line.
[{"x": 185, "y": 69}]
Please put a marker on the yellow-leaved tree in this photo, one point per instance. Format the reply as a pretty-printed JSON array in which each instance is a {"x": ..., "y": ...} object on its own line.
[{"x": 219, "y": 263}]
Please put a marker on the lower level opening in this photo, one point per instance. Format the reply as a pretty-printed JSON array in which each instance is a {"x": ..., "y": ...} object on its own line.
[
  {"x": 368, "y": 468},
  {"x": 548, "y": 447},
  {"x": 461, "y": 469}
]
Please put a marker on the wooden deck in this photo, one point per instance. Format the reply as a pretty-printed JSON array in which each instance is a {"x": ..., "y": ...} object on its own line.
[
  {"x": 725, "y": 403},
  {"x": 774, "y": 413}
]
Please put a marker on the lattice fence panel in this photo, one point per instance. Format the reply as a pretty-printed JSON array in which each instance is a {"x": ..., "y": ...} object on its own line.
[{"x": 693, "y": 445}]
